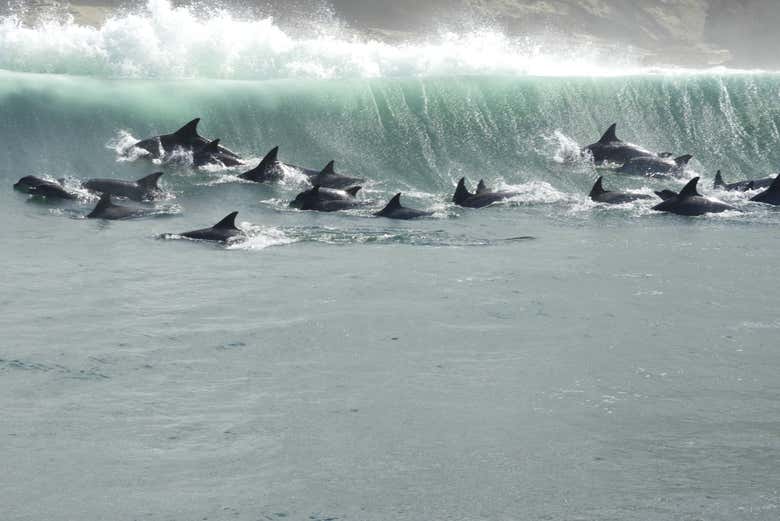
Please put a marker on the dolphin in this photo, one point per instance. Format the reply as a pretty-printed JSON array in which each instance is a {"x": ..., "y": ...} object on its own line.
[
  {"x": 106, "y": 209},
  {"x": 481, "y": 199},
  {"x": 610, "y": 149},
  {"x": 599, "y": 195},
  {"x": 186, "y": 137},
  {"x": 144, "y": 189},
  {"x": 655, "y": 166},
  {"x": 42, "y": 188},
  {"x": 394, "y": 210},
  {"x": 742, "y": 186},
  {"x": 690, "y": 202},
  {"x": 328, "y": 178},
  {"x": 223, "y": 231},
  {"x": 771, "y": 195},
  {"x": 327, "y": 200},
  {"x": 270, "y": 169},
  {"x": 211, "y": 154}
]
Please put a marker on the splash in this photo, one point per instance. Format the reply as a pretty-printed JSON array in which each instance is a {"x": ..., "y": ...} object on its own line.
[{"x": 159, "y": 40}]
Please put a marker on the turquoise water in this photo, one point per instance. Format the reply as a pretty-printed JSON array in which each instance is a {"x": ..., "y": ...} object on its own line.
[{"x": 619, "y": 365}]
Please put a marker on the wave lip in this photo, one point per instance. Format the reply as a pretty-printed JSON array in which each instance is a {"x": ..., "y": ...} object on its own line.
[{"x": 162, "y": 41}]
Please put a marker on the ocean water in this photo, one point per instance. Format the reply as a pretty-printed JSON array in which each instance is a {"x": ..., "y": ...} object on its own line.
[{"x": 546, "y": 359}]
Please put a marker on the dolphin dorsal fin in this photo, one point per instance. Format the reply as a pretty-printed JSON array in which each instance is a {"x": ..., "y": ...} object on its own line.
[
  {"x": 210, "y": 148},
  {"x": 690, "y": 189},
  {"x": 461, "y": 192},
  {"x": 190, "y": 130},
  {"x": 354, "y": 190},
  {"x": 329, "y": 169},
  {"x": 105, "y": 202},
  {"x": 775, "y": 186},
  {"x": 228, "y": 223},
  {"x": 150, "y": 182},
  {"x": 719, "y": 183},
  {"x": 270, "y": 158},
  {"x": 598, "y": 187},
  {"x": 394, "y": 204},
  {"x": 610, "y": 135},
  {"x": 268, "y": 162},
  {"x": 482, "y": 187},
  {"x": 683, "y": 160}
]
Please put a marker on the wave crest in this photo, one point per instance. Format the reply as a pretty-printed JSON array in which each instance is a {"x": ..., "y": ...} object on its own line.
[{"x": 163, "y": 41}]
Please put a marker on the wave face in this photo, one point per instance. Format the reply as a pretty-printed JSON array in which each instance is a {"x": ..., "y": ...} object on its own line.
[{"x": 416, "y": 133}]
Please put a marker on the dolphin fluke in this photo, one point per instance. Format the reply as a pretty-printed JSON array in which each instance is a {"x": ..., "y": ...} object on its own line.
[
  {"x": 598, "y": 188},
  {"x": 189, "y": 131},
  {"x": 683, "y": 160},
  {"x": 150, "y": 182},
  {"x": 690, "y": 189},
  {"x": 228, "y": 223},
  {"x": 610, "y": 136}
]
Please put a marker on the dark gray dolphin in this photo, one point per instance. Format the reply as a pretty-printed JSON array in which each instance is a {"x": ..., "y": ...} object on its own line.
[
  {"x": 610, "y": 149},
  {"x": 186, "y": 137},
  {"x": 690, "y": 202},
  {"x": 394, "y": 210},
  {"x": 655, "y": 166},
  {"x": 328, "y": 178},
  {"x": 271, "y": 169},
  {"x": 742, "y": 186},
  {"x": 42, "y": 188},
  {"x": 106, "y": 209},
  {"x": 466, "y": 199},
  {"x": 771, "y": 195},
  {"x": 211, "y": 154},
  {"x": 144, "y": 189},
  {"x": 599, "y": 195},
  {"x": 327, "y": 200},
  {"x": 223, "y": 231}
]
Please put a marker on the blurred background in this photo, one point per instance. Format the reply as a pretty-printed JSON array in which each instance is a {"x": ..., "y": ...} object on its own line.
[{"x": 691, "y": 33}]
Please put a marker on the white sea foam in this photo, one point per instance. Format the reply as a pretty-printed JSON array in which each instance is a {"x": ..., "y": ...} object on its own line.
[
  {"x": 159, "y": 40},
  {"x": 260, "y": 238}
]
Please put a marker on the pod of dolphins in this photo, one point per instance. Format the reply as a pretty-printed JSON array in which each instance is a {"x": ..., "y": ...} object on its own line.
[
  {"x": 333, "y": 192},
  {"x": 636, "y": 160}
]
